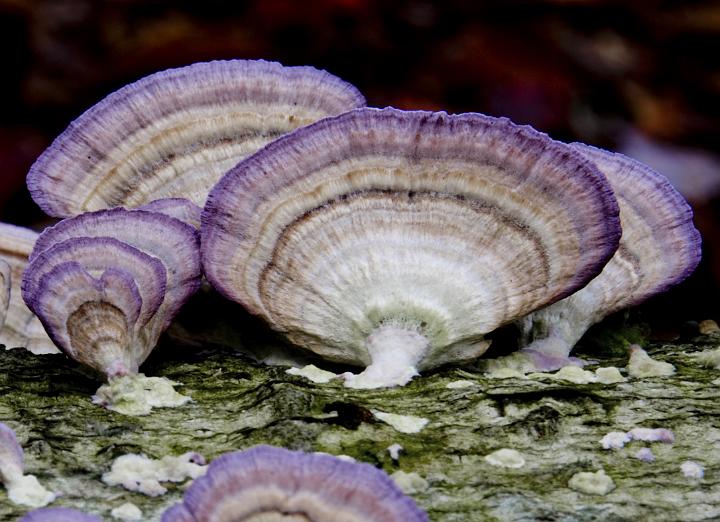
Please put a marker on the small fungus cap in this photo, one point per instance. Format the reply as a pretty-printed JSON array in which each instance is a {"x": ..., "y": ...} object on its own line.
[
  {"x": 275, "y": 484},
  {"x": 176, "y": 132},
  {"x": 443, "y": 226},
  {"x": 106, "y": 284}
]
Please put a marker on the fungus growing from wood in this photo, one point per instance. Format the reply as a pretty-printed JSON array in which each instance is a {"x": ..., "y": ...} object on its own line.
[
  {"x": 176, "y": 132},
  {"x": 106, "y": 284},
  {"x": 396, "y": 240},
  {"x": 274, "y": 484},
  {"x": 659, "y": 248}
]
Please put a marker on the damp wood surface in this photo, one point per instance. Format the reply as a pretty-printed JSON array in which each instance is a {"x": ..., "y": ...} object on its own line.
[{"x": 556, "y": 427}]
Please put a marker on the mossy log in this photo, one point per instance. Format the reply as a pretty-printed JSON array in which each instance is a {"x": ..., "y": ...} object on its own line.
[{"x": 556, "y": 426}]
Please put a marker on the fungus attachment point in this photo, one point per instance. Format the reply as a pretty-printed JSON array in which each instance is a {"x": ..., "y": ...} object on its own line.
[
  {"x": 174, "y": 133},
  {"x": 266, "y": 483},
  {"x": 659, "y": 248},
  {"x": 396, "y": 240},
  {"x": 106, "y": 284},
  {"x": 395, "y": 353}
]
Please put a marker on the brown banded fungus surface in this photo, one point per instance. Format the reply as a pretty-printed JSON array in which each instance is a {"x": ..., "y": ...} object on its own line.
[
  {"x": 659, "y": 248},
  {"x": 106, "y": 284},
  {"x": 396, "y": 240},
  {"x": 174, "y": 133}
]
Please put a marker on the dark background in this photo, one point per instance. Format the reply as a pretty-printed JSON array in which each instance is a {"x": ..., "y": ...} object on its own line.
[{"x": 636, "y": 76}]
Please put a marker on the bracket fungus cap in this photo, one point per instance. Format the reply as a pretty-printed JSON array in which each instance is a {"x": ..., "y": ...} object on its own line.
[
  {"x": 176, "y": 132},
  {"x": 659, "y": 248},
  {"x": 106, "y": 284},
  {"x": 274, "y": 484},
  {"x": 18, "y": 325},
  {"x": 382, "y": 229},
  {"x": 179, "y": 208}
]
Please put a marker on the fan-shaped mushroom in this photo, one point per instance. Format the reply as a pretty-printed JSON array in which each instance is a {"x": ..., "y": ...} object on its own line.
[
  {"x": 659, "y": 248},
  {"x": 268, "y": 483},
  {"x": 18, "y": 325},
  {"x": 176, "y": 132},
  {"x": 106, "y": 284},
  {"x": 398, "y": 239}
]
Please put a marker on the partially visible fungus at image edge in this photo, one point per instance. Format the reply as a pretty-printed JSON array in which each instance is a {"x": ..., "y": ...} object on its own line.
[
  {"x": 275, "y": 483},
  {"x": 21, "y": 489}
]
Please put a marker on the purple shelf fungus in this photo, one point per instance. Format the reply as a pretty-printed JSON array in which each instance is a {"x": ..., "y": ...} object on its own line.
[
  {"x": 269, "y": 483},
  {"x": 659, "y": 248},
  {"x": 18, "y": 325},
  {"x": 179, "y": 208},
  {"x": 396, "y": 240},
  {"x": 59, "y": 514},
  {"x": 106, "y": 284},
  {"x": 176, "y": 132},
  {"x": 21, "y": 489}
]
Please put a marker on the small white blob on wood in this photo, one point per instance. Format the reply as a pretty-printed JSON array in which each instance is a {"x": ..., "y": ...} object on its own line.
[
  {"x": 597, "y": 483},
  {"x": 402, "y": 423},
  {"x": 313, "y": 373},
  {"x": 692, "y": 469},
  {"x": 506, "y": 458},
  {"x": 641, "y": 365},
  {"x": 410, "y": 483},
  {"x": 128, "y": 512}
]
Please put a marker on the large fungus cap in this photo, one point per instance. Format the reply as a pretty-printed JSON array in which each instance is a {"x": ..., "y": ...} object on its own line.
[
  {"x": 176, "y": 132},
  {"x": 272, "y": 484},
  {"x": 106, "y": 284},
  {"x": 659, "y": 248},
  {"x": 401, "y": 238},
  {"x": 18, "y": 325}
]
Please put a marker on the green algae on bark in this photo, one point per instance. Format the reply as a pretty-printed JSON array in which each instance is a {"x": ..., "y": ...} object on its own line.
[{"x": 555, "y": 425}]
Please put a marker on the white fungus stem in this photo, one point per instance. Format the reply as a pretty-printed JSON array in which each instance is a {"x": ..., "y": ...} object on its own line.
[{"x": 395, "y": 352}]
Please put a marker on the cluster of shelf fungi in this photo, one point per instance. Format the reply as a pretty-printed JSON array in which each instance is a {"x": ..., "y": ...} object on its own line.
[{"x": 379, "y": 238}]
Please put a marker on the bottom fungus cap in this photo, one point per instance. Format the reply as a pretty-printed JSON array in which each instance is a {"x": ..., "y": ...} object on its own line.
[{"x": 272, "y": 484}]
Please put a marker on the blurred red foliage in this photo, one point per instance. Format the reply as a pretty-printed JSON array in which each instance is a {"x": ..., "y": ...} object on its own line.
[{"x": 588, "y": 70}]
